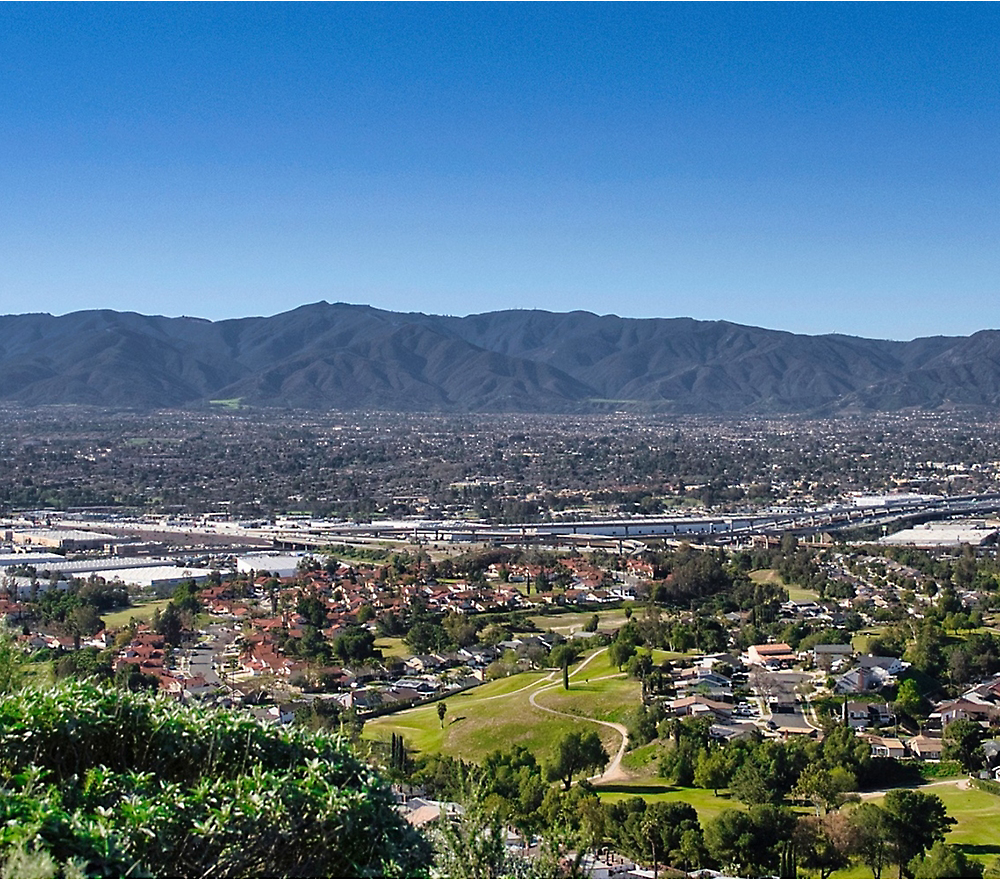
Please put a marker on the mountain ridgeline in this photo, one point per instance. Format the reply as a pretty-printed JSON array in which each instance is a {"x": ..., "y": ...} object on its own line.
[{"x": 349, "y": 357}]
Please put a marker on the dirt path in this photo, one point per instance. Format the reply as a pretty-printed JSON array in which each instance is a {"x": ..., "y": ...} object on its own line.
[
  {"x": 613, "y": 772},
  {"x": 960, "y": 784},
  {"x": 542, "y": 681}
]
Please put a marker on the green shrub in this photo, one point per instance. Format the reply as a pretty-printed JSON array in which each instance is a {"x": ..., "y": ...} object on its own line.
[{"x": 126, "y": 784}]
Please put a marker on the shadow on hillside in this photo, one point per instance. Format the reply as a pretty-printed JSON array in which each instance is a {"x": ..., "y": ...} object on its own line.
[
  {"x": 980, "y": 849},
  {"x": 626, "y": 788}
]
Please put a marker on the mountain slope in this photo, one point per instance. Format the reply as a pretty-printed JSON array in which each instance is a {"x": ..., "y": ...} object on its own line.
[{"x": 340, "y": 356}]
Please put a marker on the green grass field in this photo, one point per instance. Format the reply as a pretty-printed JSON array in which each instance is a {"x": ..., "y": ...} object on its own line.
[
  {"x": 605, "y": 699},
  {"x": 575, "y": 621},
  {"x": 117, "y": 619},
  {"x": 795, "y": 593},
  {"x": 641, "y": 761},
  {"x": 393, "y": 647},
  {"x": 500, "y": 715},
  {"x": 496, "y": 715},
  {"x": 978, "y": 815},
  {"x": 705, "y": 802}
]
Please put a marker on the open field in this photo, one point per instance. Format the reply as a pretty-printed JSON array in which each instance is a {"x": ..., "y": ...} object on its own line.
[
  {"x": 500, "y": 714},
  {"x": 704, "y": 801},
  {"x": 497, "y": 715},
  {"x": 575, "y": 621},
  {"x": 144, "y": 612},
  {"x": 393, "y": 647},
  {"x": 795, "y": 593},
  {"x": 978, "y": 815},
  {"x": 608, "y": 699}
]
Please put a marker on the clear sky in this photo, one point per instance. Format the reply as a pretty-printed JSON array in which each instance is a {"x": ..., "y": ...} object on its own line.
[{"x": 815, "y": 168}]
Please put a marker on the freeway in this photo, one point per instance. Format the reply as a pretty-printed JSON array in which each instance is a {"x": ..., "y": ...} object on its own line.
[{"x": 613, "y": 532}]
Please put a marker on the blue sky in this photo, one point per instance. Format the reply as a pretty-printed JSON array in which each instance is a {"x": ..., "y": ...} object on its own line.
[{"x": 816, "y": 168}]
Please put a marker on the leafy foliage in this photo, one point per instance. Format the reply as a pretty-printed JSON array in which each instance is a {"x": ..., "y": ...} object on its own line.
[{"x": 126, "y": 783}]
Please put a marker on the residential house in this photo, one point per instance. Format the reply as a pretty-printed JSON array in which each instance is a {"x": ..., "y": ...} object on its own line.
[
  {"x": 776, "y": 655},
  {"x": 885, "y": 746},
  {"x": 926, "y": 748}
]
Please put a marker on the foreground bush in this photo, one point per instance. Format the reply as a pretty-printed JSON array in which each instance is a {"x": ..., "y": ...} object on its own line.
[{"x": 111, "y": 783}]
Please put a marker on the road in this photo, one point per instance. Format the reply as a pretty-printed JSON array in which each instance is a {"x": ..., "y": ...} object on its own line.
[{"x": 204, "y": 659}]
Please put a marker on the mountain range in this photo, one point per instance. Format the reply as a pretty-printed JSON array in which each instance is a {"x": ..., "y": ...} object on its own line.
[{"x": 353, "y": 357}]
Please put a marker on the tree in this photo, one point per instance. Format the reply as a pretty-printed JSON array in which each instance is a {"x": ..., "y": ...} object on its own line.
[
  {"x": 713, "y": 769},
  {"x": 664, "y": 826},
  {"x": 927, "y": 652},
  {"x": 945, "y": 861},
  {"x": 516, "y": 778},
  {"x": 824, "y": 788},
  {"x": 873, "y": 832},
  {"x": 823, "y": 843},
  {"x": 84, "y": 621},
  {"x": 169, "y": 624},
  {"x": 185, "y": 597},
  {"x": 354, "y": 645},
  {"x": 640, "y": 666},
  {"x": 577, "y": 751},
  {"x": 312, "y": 608},
  {"x": 918, "y": 820},
  {"x": 461, "y": 628},
  {"x": 962, "y": 741},
  {"x": 749, "y": 843},
  {"x": 620, "y": 650},
  {"x": 729, "y": 839},
  {"x": 469, "y": 847},
  {"x": 442, "y": 710},
  {"x": 909, "y": 700},
  {"x": 663, "y": 831},
  {"x": 750, "y": 785}
]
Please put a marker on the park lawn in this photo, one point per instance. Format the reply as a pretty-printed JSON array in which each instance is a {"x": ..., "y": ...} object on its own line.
[
  {"x": 504, "y": 686},
  {"x": 393, "y": 647},
  {"x": 476, "y": 726},
  {"x": 703, "y": 800},
  {"x": 977, "y": 815},
  {"x": 575, "y": 621},
  {"x": 660, "y": 655},
  {"x": 795, "y": 593},
  {"x": 500, "y": 715},
  {"x": 800, "y": 594},
  {"x": 608, "y": 699},
  {"x": 859, "y": 641},
  {"x": 599, "y": 667},
  {"x": 144, "y": 612}
]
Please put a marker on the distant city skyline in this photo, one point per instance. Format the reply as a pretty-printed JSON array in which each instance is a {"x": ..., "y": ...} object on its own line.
[{"x": 815, "y": 168}]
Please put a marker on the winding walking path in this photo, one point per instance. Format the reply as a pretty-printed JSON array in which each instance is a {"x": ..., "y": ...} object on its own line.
[
  {"x": 613, "y": 772},
  {"x": 962, "y": 784}
]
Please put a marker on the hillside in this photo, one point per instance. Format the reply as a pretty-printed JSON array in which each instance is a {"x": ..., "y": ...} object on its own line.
[{"x": 339, "y": 356}]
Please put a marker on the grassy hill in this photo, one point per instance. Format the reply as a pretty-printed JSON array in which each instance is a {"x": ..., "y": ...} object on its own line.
[{"x": 500, "y": 714}]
